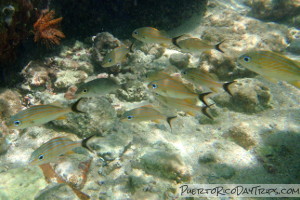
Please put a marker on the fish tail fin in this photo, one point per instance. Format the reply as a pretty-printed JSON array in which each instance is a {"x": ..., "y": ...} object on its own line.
[
  {"x": 205, "y": 111},
  {"x": 131, "y": 47},
  {"x": 226, "y": 87},
  {"x": 74, "y": 106},
  {"x": 169, "y": 120},
  {"x": 217, "y": 47},
  {"x": 174, "y": 40},
  {"x": 202, "y": 97},
  {"x": 84, "y": 142}
]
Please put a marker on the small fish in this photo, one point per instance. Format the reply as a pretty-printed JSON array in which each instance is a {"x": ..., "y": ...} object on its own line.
[
  {"x": 97, "y": 87},
  {"x": 174, "y": 89},
  {"x": 40, "y": 114},
  {"x": 195, "y": 45},
  {"x": 145, "y": 113},
  {"x": 116, "y": 56},
  {"x": 54, "y": 148},
  {"x": 187, "y": 105},
  {"x": 273, "y": 66},
  {"x": 151, "y": 35},
  {"x": 204, "y": 79}
]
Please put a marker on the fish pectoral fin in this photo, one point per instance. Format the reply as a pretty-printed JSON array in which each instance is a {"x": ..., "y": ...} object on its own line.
[
  {"x": 191, "y": 113},
  {"x": 164, "y": 45},
  {"x": 61, "y": 117},
  {"x": 156, "y": 121},
  {"x": 216, "y": 90},
  {"x": 270, "y": 79},
  {"x": 68, "y": 153},
  {"x": 295, "y": 83}
]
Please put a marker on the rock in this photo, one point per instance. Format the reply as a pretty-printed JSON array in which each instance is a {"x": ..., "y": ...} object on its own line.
[
  {"x": 4, "y": 145},
  {"x": 112, "y": 146},
  {"x": 102, "y": 44},
  {"x": 224, "y": 171},
  {"x": 56, "y": 191},
  {"x": 207, "y": 158},
  {"x": 21, "y": 183},
  {"x": 68, "y": 78},
  {"x": 99, "y": 117},
  {"x": 136, "y": 92},
  {"x": 249, "y": 96},
  {"x": 165, "y": 165},
  {"x": 242, "y": 135},
  {"x": 37, "y": 74},
  {"x": 273, "y": 10},
  {"x": 180, "y": 60},
  {"x": 294, "y": 46}
]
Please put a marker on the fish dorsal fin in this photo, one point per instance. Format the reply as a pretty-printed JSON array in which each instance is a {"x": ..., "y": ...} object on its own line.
[
  {"x": 164, "y": 33},
  {"x": 56, "y": 103}
]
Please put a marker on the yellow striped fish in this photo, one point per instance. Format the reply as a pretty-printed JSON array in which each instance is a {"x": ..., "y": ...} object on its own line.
[
  {"x": 40, "y": 114},
  {"x": 145, "y": 113},
  {"x": 54, "y": 148},
  {"x": 187, "y": 105},
  {"x": 151, "y": 35},
  {"x": 272, "y": 66},
  {"x": 175, "y": 89},
  {"x": 116, "y": 56},
  {"x": 204, "y": 79},
  {"x": 195, "y": 45}
]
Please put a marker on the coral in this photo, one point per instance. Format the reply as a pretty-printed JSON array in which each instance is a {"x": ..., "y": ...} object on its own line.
[
  {"x": 249, "y": 96},
  {"x": 179, "y": 60},
  {"x": 46, "y": 29},
  {"x": 242, "y": 135}
]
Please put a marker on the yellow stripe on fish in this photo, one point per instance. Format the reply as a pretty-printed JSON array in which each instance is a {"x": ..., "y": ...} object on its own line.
[
  {"x": 54, "y": 148},
  {"x": 116, "y": 56},
  {"x": 204, "y": 79},
  {"x": 174, "y": 89},
  {"x": 187, "y": 105},
  {"x": 157, "y": 75},
  {"x": 151, "y": 35},
  {"x": 195, "y": 45},
  {"x": 145, "y": 113},
  {"x": 273, "y": 66},
  {"x": 38, "y": 115}
]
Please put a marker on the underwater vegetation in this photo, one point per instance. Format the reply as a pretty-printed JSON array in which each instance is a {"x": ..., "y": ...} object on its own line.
[
  {"x": 46, "y": 29},
  {"x": 131, "y": 115}
]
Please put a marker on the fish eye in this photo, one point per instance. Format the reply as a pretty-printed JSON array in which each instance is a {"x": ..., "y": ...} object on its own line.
[
  {"x": 129, "y": 117},
  {"x": 247, "y": 59},
  {"x": 183, "y": 72},
  {"x": 41, "y": 157},
  {"x": 17, "y": 123},
  {"x": 135, "y": 32},
  {"x": 110, "y": 60},
  {"x": 154, "y": 86},
  {"x": 84, "y": 90}
]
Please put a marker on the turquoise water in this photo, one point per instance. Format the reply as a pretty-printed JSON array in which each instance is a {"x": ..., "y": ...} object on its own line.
[{"x": 138, "y": 153}]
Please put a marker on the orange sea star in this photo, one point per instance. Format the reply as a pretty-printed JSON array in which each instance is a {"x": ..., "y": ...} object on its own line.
[{"x": 46, "y": 29}]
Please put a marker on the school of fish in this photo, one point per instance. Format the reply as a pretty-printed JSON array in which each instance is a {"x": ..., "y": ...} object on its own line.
[{"x": 174, "y": 93}]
